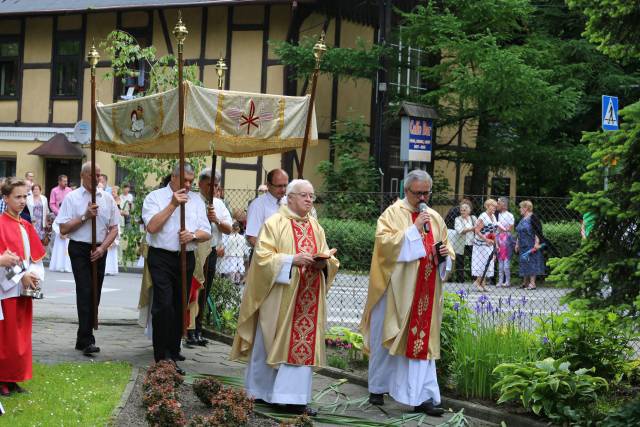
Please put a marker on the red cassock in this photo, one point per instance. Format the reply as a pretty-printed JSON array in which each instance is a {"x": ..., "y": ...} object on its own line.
[{"x": 15, "y": 329}]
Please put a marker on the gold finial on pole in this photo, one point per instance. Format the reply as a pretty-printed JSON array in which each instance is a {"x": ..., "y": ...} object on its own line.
[
  {"x": 93, "y": 56},
  {"x": 180, "y": 31},
  {"x": 319, "y": 49},
  {"x": 221, "y": 67}
]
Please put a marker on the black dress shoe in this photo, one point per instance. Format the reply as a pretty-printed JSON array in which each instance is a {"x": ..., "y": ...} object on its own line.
[
  {"x": 202, "y": 342},
  {"x": 429, "y": 409},
  {"x": 90, "y": 350},
  {"x": 191, "y": 339},
  {"x": 376, "y": 399},
  {"x": 302, "y": 410},
  {"x": 14, "y": 387},
  {"x": 178, "y": 358},
  {"x": 180, "y": 370}
]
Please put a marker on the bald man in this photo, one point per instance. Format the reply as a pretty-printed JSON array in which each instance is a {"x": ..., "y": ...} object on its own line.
[{"x": 266, "y": 204}]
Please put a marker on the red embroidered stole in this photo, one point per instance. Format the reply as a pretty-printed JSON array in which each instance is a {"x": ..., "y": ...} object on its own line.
[
  {"x": 422, "y": 305},
  {"x": 302, "y": 342}
]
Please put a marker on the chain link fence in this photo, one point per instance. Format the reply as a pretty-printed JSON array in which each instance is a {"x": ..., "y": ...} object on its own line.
[{"x": 349, "y": 220}]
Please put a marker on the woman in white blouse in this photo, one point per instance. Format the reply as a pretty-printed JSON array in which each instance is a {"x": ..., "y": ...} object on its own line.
[
  {"x": 483, "y": 245},
  {"x": 463, "y": 243}
]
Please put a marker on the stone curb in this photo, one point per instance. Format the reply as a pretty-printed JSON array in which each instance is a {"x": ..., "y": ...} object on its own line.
[
  {"x": 125, "y": 396},
  {"x": 471, "y": 409}
]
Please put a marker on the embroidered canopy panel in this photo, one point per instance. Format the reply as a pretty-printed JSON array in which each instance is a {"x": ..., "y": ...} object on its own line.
[{"x": 233, "y": 124}]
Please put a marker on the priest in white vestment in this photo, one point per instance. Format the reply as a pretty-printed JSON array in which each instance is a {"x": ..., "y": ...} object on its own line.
[
  {"x": 403, "y": 313},
  {"x": 281, "y": 326}
]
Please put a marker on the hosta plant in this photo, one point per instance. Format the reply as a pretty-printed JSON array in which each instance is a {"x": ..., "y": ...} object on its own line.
[{"x": 550, "y": 388}]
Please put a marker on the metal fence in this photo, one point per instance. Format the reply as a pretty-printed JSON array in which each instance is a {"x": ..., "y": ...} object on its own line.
[{"x": 349, "y": 220}]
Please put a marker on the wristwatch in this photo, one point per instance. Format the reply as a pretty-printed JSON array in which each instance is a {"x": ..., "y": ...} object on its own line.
[
  {"x": 83, "y": 218},
  {"x": 194, "y": 237}
]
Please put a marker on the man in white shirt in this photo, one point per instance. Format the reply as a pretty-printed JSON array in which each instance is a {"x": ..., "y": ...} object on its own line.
[
  {"x": 220, "y": 219},
  {"x": 161, "y": 215},
  {"x": 267, "y": 204},
  {"x": 74, "y": 219}
]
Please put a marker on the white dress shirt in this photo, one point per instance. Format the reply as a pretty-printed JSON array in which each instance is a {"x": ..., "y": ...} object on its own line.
[
  {"x": 506, "y": 220},
  {"x": 75, "y": 205},
  {"x": 223, "y": 216},
  {"x": 168, "y": 236},
  {"x": 259, "y": 212}
]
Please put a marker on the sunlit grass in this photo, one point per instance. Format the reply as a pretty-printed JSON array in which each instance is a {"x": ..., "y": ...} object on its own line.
[{"x": 68, "y": 394}]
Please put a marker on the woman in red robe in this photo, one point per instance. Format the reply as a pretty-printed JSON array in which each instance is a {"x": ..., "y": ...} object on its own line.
[{"x": 18, "y": 239}]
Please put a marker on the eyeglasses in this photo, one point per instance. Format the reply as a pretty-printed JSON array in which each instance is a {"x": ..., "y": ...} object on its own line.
[
  {"x": 312, "y": 196},
  {"x": 277, "y": 186},
  {"x": 420, "y": 193}
]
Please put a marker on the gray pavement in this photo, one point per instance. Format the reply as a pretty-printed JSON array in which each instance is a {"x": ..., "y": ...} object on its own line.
[{"x": 120, "y": 338}]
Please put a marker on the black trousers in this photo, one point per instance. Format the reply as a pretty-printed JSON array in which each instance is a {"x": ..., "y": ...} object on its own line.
[
  {"x": 460, "y": 262},
  {"x": 208, "y": 280},
  {"x": 80, "y": 254},
  {"x": 166, "y": 308}
]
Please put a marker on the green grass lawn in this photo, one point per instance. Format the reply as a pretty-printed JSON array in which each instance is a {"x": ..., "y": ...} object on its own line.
[{"x": 67, "y": 394}]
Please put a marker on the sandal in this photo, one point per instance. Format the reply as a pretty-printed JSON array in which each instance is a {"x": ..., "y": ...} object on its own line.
[{"x": 530, "y": 287}]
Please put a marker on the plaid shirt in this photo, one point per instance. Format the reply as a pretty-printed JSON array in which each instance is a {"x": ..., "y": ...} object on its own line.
[{"x": 3, "y": 206}]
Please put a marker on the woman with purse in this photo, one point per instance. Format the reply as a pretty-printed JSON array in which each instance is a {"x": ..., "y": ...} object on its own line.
[{"x": 20, "y": 238}]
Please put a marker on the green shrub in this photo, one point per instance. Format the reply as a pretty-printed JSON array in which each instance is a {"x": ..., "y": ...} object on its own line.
[
  {"x": 627, "y": 415},
  {"x": 564, "y": 238},
  {"x": 456, "y": 317},
  {"x": 587, "y": 338},
  {"x": 336, "y": 361},
  {"x": 354, "y": 240},
  {"x": 551, "y": 389}
]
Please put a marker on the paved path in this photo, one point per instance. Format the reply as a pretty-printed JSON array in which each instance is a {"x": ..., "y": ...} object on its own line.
[
  {"x": 53, "y": 341},
  {"x": 120, "y": 338}
]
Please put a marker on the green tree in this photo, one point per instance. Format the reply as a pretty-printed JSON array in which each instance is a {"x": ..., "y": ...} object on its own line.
[
  {"x": 481, "y": 72},
  {"x": 606, "y": 268},
  {"x": 126, "y": 54}
]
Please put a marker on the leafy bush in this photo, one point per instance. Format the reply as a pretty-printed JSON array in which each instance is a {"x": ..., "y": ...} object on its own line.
[
  {"x": 563, "y": 238},
  {"x": 456, "y": 317},
  {"x": 226, "y": 299},
  {"x": 354, "y": 240},
  {"x": 231, "y": 407},
  {"x": 206, "y": 388},
  {"x": 337, "y": 361},
  {"x": 627, "y": 415},
  {"x": 477, "y": 347},
  {"x": 167, "y": 412},
  {"x": 550, "y": 388},
  {"x": 303, "y": 420},
  {"x": 161, "y": 373},
  {"x": 587, "y": 338},
  {"x": 154, "y": 394}
]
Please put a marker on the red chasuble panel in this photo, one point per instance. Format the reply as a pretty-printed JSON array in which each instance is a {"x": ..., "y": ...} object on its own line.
[
  {"x": 302, "y": 343},
  {"x": 422, "y": 305}
]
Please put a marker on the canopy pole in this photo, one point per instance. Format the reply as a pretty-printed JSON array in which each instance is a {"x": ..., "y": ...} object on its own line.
[
  {"x": 221, "y": 67},
  {"x": 93, "y": 57},
  {"x": 319, "y": 50},
  {"x": 180, "y": 33}
]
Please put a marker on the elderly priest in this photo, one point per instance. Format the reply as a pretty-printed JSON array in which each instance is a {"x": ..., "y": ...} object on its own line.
[
  {"x": 282, "y": 316},
  {"x": 403, "y": 313}
]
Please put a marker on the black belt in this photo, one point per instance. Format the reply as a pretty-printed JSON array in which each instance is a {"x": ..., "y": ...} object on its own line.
[
  {"x": 84, "y": 243},
  {"x": 166, "y": 251}
]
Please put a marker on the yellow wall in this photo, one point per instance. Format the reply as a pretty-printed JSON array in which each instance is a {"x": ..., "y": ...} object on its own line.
[
  {"x": 69, "y": 22},
  {"x": 65, "y": 111},
  {"x": 37, "y": 40},
  {"x": 24, "y": 161},
  {"x": 35, "y": 96},
  {"x": 8, "y": 111}
]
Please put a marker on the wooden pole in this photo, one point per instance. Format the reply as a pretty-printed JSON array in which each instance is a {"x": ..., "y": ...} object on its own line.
[
  {"x": 93, "y": 57},
  {"x": 318, "y": 50},
  {"x": 221, "y": 67},
  {"x": 180, "y": 32}
]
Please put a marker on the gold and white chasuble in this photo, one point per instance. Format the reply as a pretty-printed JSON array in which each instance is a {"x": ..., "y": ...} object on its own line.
[
  {"x": 400, "y": 281},
  {"x": 292, "y": 316}
]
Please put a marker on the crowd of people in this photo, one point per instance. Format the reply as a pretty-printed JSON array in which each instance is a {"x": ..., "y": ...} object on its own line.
[
  {"x": 282, "y": 316},
  {"x": 491, "y": 240}
]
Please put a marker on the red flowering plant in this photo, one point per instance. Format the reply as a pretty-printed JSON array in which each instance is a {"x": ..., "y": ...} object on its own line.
[
  {"x": 167, "y": 412},
  {"x": 206, "y": 389},
  {"x": 231, "y": 408}
]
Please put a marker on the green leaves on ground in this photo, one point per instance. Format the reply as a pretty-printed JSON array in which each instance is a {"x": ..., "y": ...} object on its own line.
[{"x": 550, "y": 388}]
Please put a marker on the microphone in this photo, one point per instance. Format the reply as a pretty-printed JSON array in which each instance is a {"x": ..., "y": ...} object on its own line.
[{"x": 423, "y": 207}]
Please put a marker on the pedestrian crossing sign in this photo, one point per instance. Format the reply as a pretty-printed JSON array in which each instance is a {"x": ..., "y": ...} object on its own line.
[{"x": 610, "y": 112}]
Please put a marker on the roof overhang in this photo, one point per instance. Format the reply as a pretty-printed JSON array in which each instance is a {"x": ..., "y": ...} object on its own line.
[
  {"x": 48, "y": 7},
  {"x": 59, "y": 147}
]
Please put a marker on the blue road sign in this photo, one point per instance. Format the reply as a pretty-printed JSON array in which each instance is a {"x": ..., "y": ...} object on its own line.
[{"x": 610, "y": 113}]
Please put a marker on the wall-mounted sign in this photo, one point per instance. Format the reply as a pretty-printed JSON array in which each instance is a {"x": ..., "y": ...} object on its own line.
[{"x": 416, "y": 139}]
